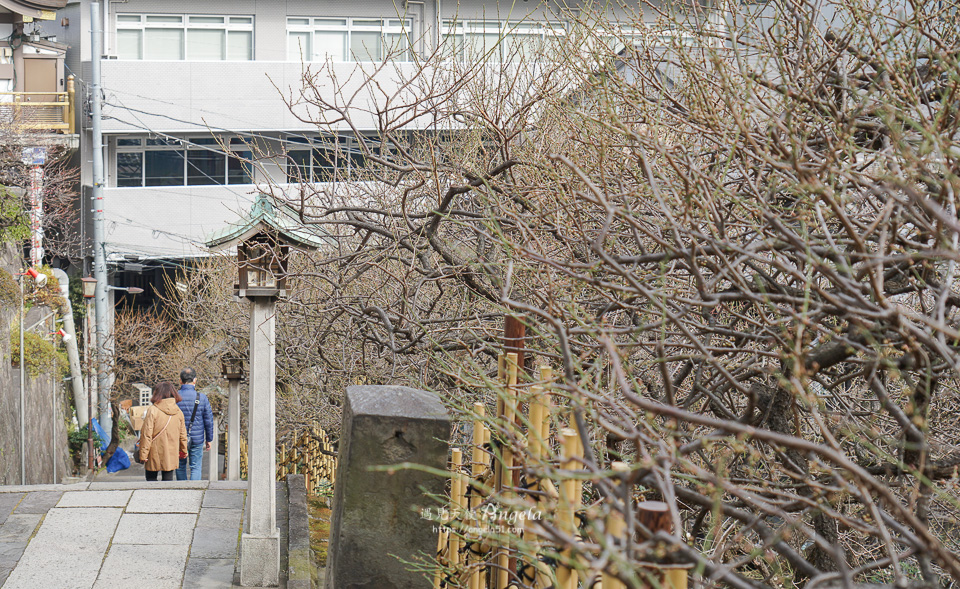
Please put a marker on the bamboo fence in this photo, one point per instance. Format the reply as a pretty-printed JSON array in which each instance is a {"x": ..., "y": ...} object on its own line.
[
  {"x": 311, "y": 454},
  {"x": 472, "y": 550}
]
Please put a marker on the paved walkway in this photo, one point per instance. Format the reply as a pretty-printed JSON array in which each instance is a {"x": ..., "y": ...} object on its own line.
[{"x": 121, "y": 534}]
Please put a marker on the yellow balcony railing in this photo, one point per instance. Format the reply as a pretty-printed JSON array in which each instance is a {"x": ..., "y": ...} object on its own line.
[{"x": 40, "y": 111}]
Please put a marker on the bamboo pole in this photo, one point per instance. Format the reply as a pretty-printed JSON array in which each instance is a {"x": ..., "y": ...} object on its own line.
[
  {"x": 546, "y": 375},
  {"x": 570, "y": 501},
  {"x": 616, "y": 530},
  {"x": 501, "y": 378},
  {"x": 476, "y": 470},
  {"x": 456, "y": 504}
]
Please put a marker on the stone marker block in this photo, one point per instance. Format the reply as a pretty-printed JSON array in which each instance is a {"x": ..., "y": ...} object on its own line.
[{"x": 376, "y": 514}]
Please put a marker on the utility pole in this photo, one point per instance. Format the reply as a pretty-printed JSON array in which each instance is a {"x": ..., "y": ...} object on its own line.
[{"x": 99, "y": 253}]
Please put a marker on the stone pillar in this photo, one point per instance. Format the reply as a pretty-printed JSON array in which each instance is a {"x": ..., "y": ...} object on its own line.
[
  {"x": 260, "y": 542},
  {"x": 377, "y": 515},
  {"x": 213, "y": 465},
  {"x": 233, "y": 432}
]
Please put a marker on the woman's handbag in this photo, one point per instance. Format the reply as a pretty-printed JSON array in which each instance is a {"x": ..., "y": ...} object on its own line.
[{"x": 136, "y": 447}]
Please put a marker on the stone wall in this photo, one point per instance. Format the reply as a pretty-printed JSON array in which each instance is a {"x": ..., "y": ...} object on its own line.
[{"x": 45, "y": 434}]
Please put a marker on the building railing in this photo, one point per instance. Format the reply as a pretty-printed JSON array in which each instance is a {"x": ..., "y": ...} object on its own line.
[{"x": 41, "y": 111}]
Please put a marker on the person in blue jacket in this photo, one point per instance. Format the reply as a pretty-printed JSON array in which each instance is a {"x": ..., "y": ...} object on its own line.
[{"x": 198, "y": 416}]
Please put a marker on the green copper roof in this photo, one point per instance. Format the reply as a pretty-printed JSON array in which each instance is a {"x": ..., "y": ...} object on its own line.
[{"x": 265, "y": 217}]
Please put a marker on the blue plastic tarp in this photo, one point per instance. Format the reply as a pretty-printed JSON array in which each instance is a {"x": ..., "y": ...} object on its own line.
[
  {"x": 119, "y": 461},
  {"x": 104, "y": 438}
]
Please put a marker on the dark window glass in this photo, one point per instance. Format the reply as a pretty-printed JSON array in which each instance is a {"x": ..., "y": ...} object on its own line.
[
  {"x": 298, "y": 166},
  {"x": 239, "y": 171},
  {"x": 324, "y": 165},
  {"x": 161, "y": 141},
  {"x": 204, "y": 141},
  {"x": 356, "y": 161},
  {"x": 205, "y": 167},
  {"x": 129, "y": 142},
  {"x": 129, "y": 169},
  {"x": 164, "y": 168}
]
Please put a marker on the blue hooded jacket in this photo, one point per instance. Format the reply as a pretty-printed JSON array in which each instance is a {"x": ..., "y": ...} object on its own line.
[{"x": 202, "y": 429}]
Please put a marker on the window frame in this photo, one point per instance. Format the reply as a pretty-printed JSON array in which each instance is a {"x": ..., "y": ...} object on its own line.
[
  {"x": 236, "y": 23},
  {"x": 184, "y": 145},
  {"x": 347, "y": 154},
  {"x": 402, "y": 27},
  {"x": 457, "y": 31}
]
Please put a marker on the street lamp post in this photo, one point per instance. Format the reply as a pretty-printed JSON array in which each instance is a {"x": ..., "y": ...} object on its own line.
[
  {"x": 263, "y": 240},
  {"x": 232, "y": 369}
]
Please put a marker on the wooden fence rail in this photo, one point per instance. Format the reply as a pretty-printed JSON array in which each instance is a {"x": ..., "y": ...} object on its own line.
[
  {"x": 489, "y": 488},
  {"x": 311, "y": 454}
]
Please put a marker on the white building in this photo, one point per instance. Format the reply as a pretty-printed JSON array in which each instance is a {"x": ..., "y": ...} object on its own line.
[{"x": 175, "y": 73}]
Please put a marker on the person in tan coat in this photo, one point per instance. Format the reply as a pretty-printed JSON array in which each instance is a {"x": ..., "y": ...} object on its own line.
[{"x": 163, "y": 436}]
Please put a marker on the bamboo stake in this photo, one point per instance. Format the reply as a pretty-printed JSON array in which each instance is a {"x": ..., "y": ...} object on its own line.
[
  {"x": 616, "y": 529},
  {"x": 456, "y": 504},
  {"x": 501, "y": 378},
  {"x": 546, "y": 375},
  {"x": 476, "y": 470},
  {"x": 570, "y": 501}
]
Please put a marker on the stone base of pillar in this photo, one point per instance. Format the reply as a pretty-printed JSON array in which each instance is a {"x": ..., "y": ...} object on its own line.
[{"x": 259, "y": 560}]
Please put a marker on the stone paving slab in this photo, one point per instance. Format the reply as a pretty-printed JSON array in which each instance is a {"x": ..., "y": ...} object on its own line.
[
  {"x": 214, "y": 543},
  {"x": 208, "y": 573},
  {"x": 220, "y": 519},
  {"x": 4, "y": 573},
  {"x": 223, "y": 499},
  {"x": 10, "y": 553},
  {"x": 67, "y": 550},
  {"x": 165, "y": 501},
  {"x": 7, "y": 502},
  {"x": 155, "y": 528},
  {"x": 230, "y": 485},
  {"x": 94, "y": 499},
  {"x": 19, "y": 527},
  {"x": 142, "y": 566},
  {"x": 83, "y": 526},
  {"x": 32, "y": 488},
  {"x": 39, "y": 502},
  {"x": 121, "y": 486},
  {"x": 65, "y": 566}
]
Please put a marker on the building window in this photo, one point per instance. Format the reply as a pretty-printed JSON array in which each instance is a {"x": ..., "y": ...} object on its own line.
[
  {"x": 347, "y": 39},
  {"x": 498, "y": 41},
  {"x": 172, "y": 162},
  {"x": 324, "y": 160},
  {"x": 174, "y": 37}
]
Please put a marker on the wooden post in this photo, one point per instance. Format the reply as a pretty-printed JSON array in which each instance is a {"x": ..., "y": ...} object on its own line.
[
  {"x": 655, "y": 516},
  {"x": 69, "y": 112}
]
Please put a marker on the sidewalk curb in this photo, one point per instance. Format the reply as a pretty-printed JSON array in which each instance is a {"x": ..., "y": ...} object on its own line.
[{"x": 300, "y": 563}]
